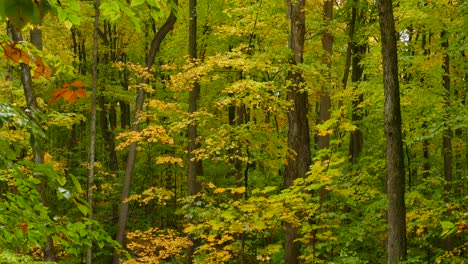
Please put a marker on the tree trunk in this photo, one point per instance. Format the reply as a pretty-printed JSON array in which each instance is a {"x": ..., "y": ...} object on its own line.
[
  {"x": 447, "y": 135},
  {"x": 38, "y": 152},
  {"x": 123, "y": 213},
  {"x": 426, "y": 162},
  {"x": 394, "y": 150},
  {"x": 356, "y": 140},
  {"x": 298, "y": 125},
  {"x": 92, "y": 135},
  {"x": 327, "y": 45},
  {"x": 195, "y": 167}
]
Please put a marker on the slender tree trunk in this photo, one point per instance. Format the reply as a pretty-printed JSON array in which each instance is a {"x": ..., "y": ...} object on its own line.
[
  {"x": 92, "y": 135},
  {"x": 426, "y": 163},
  {"x": 357, "y": 140},
  {"x": 394, "y": 151},
  {"x": 38, "y": 152},
  {"x": 327, "y": 45},
  {"x": 195, "y": 167},
  {"x": 123, "y": 213},
  {"x": 358, "y": 50},
  {"x": 298, "y": 124},
  {"x": 447, "y": 136}
]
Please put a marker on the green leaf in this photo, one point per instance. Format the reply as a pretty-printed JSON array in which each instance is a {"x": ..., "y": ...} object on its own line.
[
  {"x": 83, "y": 209},
  {"x": 61, "y": 180},
  {"x": 76, "y": 183},
  {"x": 448, "y": 228},
  {"x": 137, "y": 2}
]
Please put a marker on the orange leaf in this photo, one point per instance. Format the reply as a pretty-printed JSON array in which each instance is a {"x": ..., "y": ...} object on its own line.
[
  {"x": 16, "y": 54},
  {"x": 77, "y": 84},
  {"x": 68, "y": 94},
  {"x": 41, "y": 69},
  {"x": 80, "y": 93},
  {"x": 24, "y": 227},
  {"x": 57, "y": 93},
  {"x": 72, "y": 98}
]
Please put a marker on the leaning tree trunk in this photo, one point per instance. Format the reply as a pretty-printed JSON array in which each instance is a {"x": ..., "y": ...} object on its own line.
[
  {"x": 123, "y": 213},
  {"x": 298, "y": 124},
  {"x": 92, "y": 135},
  {"x": 394, "y": 150},
  {"x": 38, "y": 152}
]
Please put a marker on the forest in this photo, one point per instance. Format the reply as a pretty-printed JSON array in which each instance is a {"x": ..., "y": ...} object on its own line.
[{"x": 240, "y": 131}]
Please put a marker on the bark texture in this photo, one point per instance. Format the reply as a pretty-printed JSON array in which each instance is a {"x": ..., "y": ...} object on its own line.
[
  {"x": 298, "y": 124},
  {"x": 195, "y": 167},
  {"x": 396, "y": 244},
  {"x": 327, "y": 45},
  {"x": 447, "y": 136},
  {"x": 92, "y": 139}
]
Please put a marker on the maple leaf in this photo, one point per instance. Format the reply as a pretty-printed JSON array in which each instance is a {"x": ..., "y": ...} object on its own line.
[
  {"x": 68, "y": 94},
  {"x": 41, "y": 69},
  {"x": 16, "y": 54}
]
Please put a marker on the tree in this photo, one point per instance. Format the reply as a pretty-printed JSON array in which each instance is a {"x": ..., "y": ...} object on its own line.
[
  {"x": 394, "y": 151},
  {"x": 195, "y": 167},
  {"x": 155, "y": 45},
  {"x": 38, "y": 152},
  {"x": 92, "y": 134},
  {"x": 298, "y": 124}
]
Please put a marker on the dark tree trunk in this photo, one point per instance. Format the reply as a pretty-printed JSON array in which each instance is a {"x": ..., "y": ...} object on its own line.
[
  {"x": 123, "y": 213},
  {"x": 298, "y": 134},
  {"x": 394, "y": 151},
  {"x": 195, "y": 167},
  {"x": 426, "y": 163},
  {"x": 357, "y": 139},
  {"x": 447, "y": 136},
  {"x": 357, "y": 51},
  {"x": 327, "y": 45}
]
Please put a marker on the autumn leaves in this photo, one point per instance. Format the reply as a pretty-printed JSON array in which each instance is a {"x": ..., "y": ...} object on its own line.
[{"x": 20, "y": 53}]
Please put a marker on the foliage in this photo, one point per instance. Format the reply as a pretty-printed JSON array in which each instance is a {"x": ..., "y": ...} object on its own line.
[{"x": 339, "y": 208}]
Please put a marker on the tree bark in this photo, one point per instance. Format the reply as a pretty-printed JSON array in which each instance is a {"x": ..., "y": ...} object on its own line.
[
  {"x": 447, "y": 135},
  {"x": 92, "y": 135},
  {"x": 195, "y": 167},
  {"x": 298, "y": 125},
  {"x": 123, "y": 213},
  {"x": 327, "y": 45},
  {"x": 396, "y": 244},
  {"x": 357, "y": 140}
]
